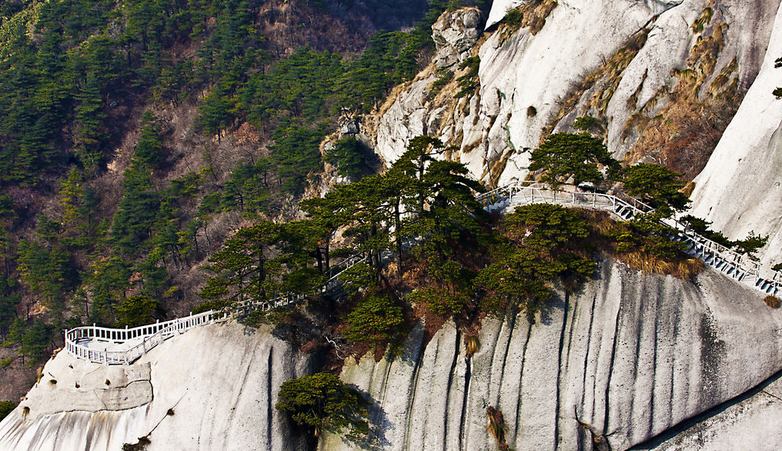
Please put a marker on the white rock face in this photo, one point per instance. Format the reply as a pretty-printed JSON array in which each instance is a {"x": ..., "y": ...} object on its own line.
[
  {"x": 525, "y": 78},
  {"x": 499, "y": 8},
  {"x": 751, "y": 424},
  {"x": 740, "y": 189},
  {"x": 219, "y": 381},
  {"x": 454, "y": 34},
  {"x": 627, "y": 358}
]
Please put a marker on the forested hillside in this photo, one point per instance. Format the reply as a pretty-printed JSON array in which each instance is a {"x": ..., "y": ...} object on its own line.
[{"x": 135, "y": 135}]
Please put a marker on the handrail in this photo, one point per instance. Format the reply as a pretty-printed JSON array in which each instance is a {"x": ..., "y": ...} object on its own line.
[
  {"x": 153, "y": 334},
  {"x": 739, "y": 266}
]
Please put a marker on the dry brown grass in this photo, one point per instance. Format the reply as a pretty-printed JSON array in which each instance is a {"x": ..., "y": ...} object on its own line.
[
  {"x": 497, "y": 427},
  {"x": 682, "y": 266},
  {"x": 530, "y": 15},
  {"x": 682, "y": 135},
  {"x": 772, "y": 301},
  {"x": 603, "y": 81},
  {"x": 471, "y": 345},
  {"x": 497, "y": 167}
]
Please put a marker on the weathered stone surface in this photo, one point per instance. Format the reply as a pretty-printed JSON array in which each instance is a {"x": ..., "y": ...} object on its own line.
[
  {"x": 740, "y": 189},
  {"x": 629, "y": 356},
  {"x": 220, "y": 383},
  {"x": 454, "y": 34},
  {"x": 626, "y": 358},
  {"x": 525, "y": 79},
  {"x": 70, "y": 384},
  {"x": 751, "y": 423}
]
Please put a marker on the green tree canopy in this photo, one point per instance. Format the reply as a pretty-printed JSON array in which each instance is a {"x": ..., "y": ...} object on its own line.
[
  {"x": 376, "y": 319},
  {"x": 656, "y": 185},
  {"x": 242, "y": 267},
  {"x": 576, "y": 155},
  {"x": 135, "y": 311},
  {"x": 349, "y": 156},
  {"x": 323, "y": 402},
  {"x": 543, "y": 243},
  {"x": 6, "y": 407}
]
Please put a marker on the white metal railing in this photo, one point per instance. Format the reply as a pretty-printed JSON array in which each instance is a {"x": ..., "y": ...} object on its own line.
[
  {"x": 532, "y": 193},
  {"x": 100, "y": 339},
  {"x": 149, "y": 336},
  {"x": 739, "y": 266}
]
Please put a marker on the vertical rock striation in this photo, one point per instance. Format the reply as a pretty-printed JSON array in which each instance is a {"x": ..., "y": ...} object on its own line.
[
  {"x": 212, "y": 388},
  {"x": 740, "y": 189},
  {"x": 623, "y": 360}
]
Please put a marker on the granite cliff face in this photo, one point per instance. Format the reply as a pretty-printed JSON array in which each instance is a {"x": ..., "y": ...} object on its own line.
[
  {"x": 740, "y": 189},
  {"x": 662, "y": 78},
  {"x": 668, "y": 81},
  {"x": 622, "y": 361},
  {"x": 632, "y": 360},
  {"x": 213, "y": 388}
]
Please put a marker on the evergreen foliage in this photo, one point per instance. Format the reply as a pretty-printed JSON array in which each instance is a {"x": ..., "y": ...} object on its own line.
[
  {"x": 569, "y": 155},
  {"x": 544, "y": 243},
  {"x": 6, "y": 407},
  {"x": 136, "y": 311},
  {"x": 323, "y": 402},
  {"x": 656, "y": 185},
  {"x": 73, "y": 76},
  {"x": 349, "y": 155},
  {"x": 376, "y": 319}
]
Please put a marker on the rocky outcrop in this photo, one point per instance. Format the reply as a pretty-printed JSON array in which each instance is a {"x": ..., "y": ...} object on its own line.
[
  {"x": 621, "y": 361},
  {"x": 454, "y": 34},
  {"x": 627, "y": 358},
  {"x": 662, "y": 77},
  {"x": 211, "y": 388},
  {"x": 740, "y": 189}
]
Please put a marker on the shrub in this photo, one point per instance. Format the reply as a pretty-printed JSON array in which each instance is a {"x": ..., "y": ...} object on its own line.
[
  {"x": 469, "y": 82},
  {"x": 646, "y": 245},
  {"x": 141, "y": 445},
  {"x": 778, "y": 93},
  {"x": 323, "y": 402},
  {"x": 5, "y": 408},
  {"x": 5, "y": 363},
  {"x": 440, "y": 301},
  {"x": 445, "y": 77},
  {"x": 751, "y": 243},
  {"x": 375, "y": 320},
  {"x": 532, "y": 111},
  {"x": 772, "y": 301},
  {"x": 217, "y": 304},
  {"x": 587, "y": 124},
  {"x": 497, "y": 427}
]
